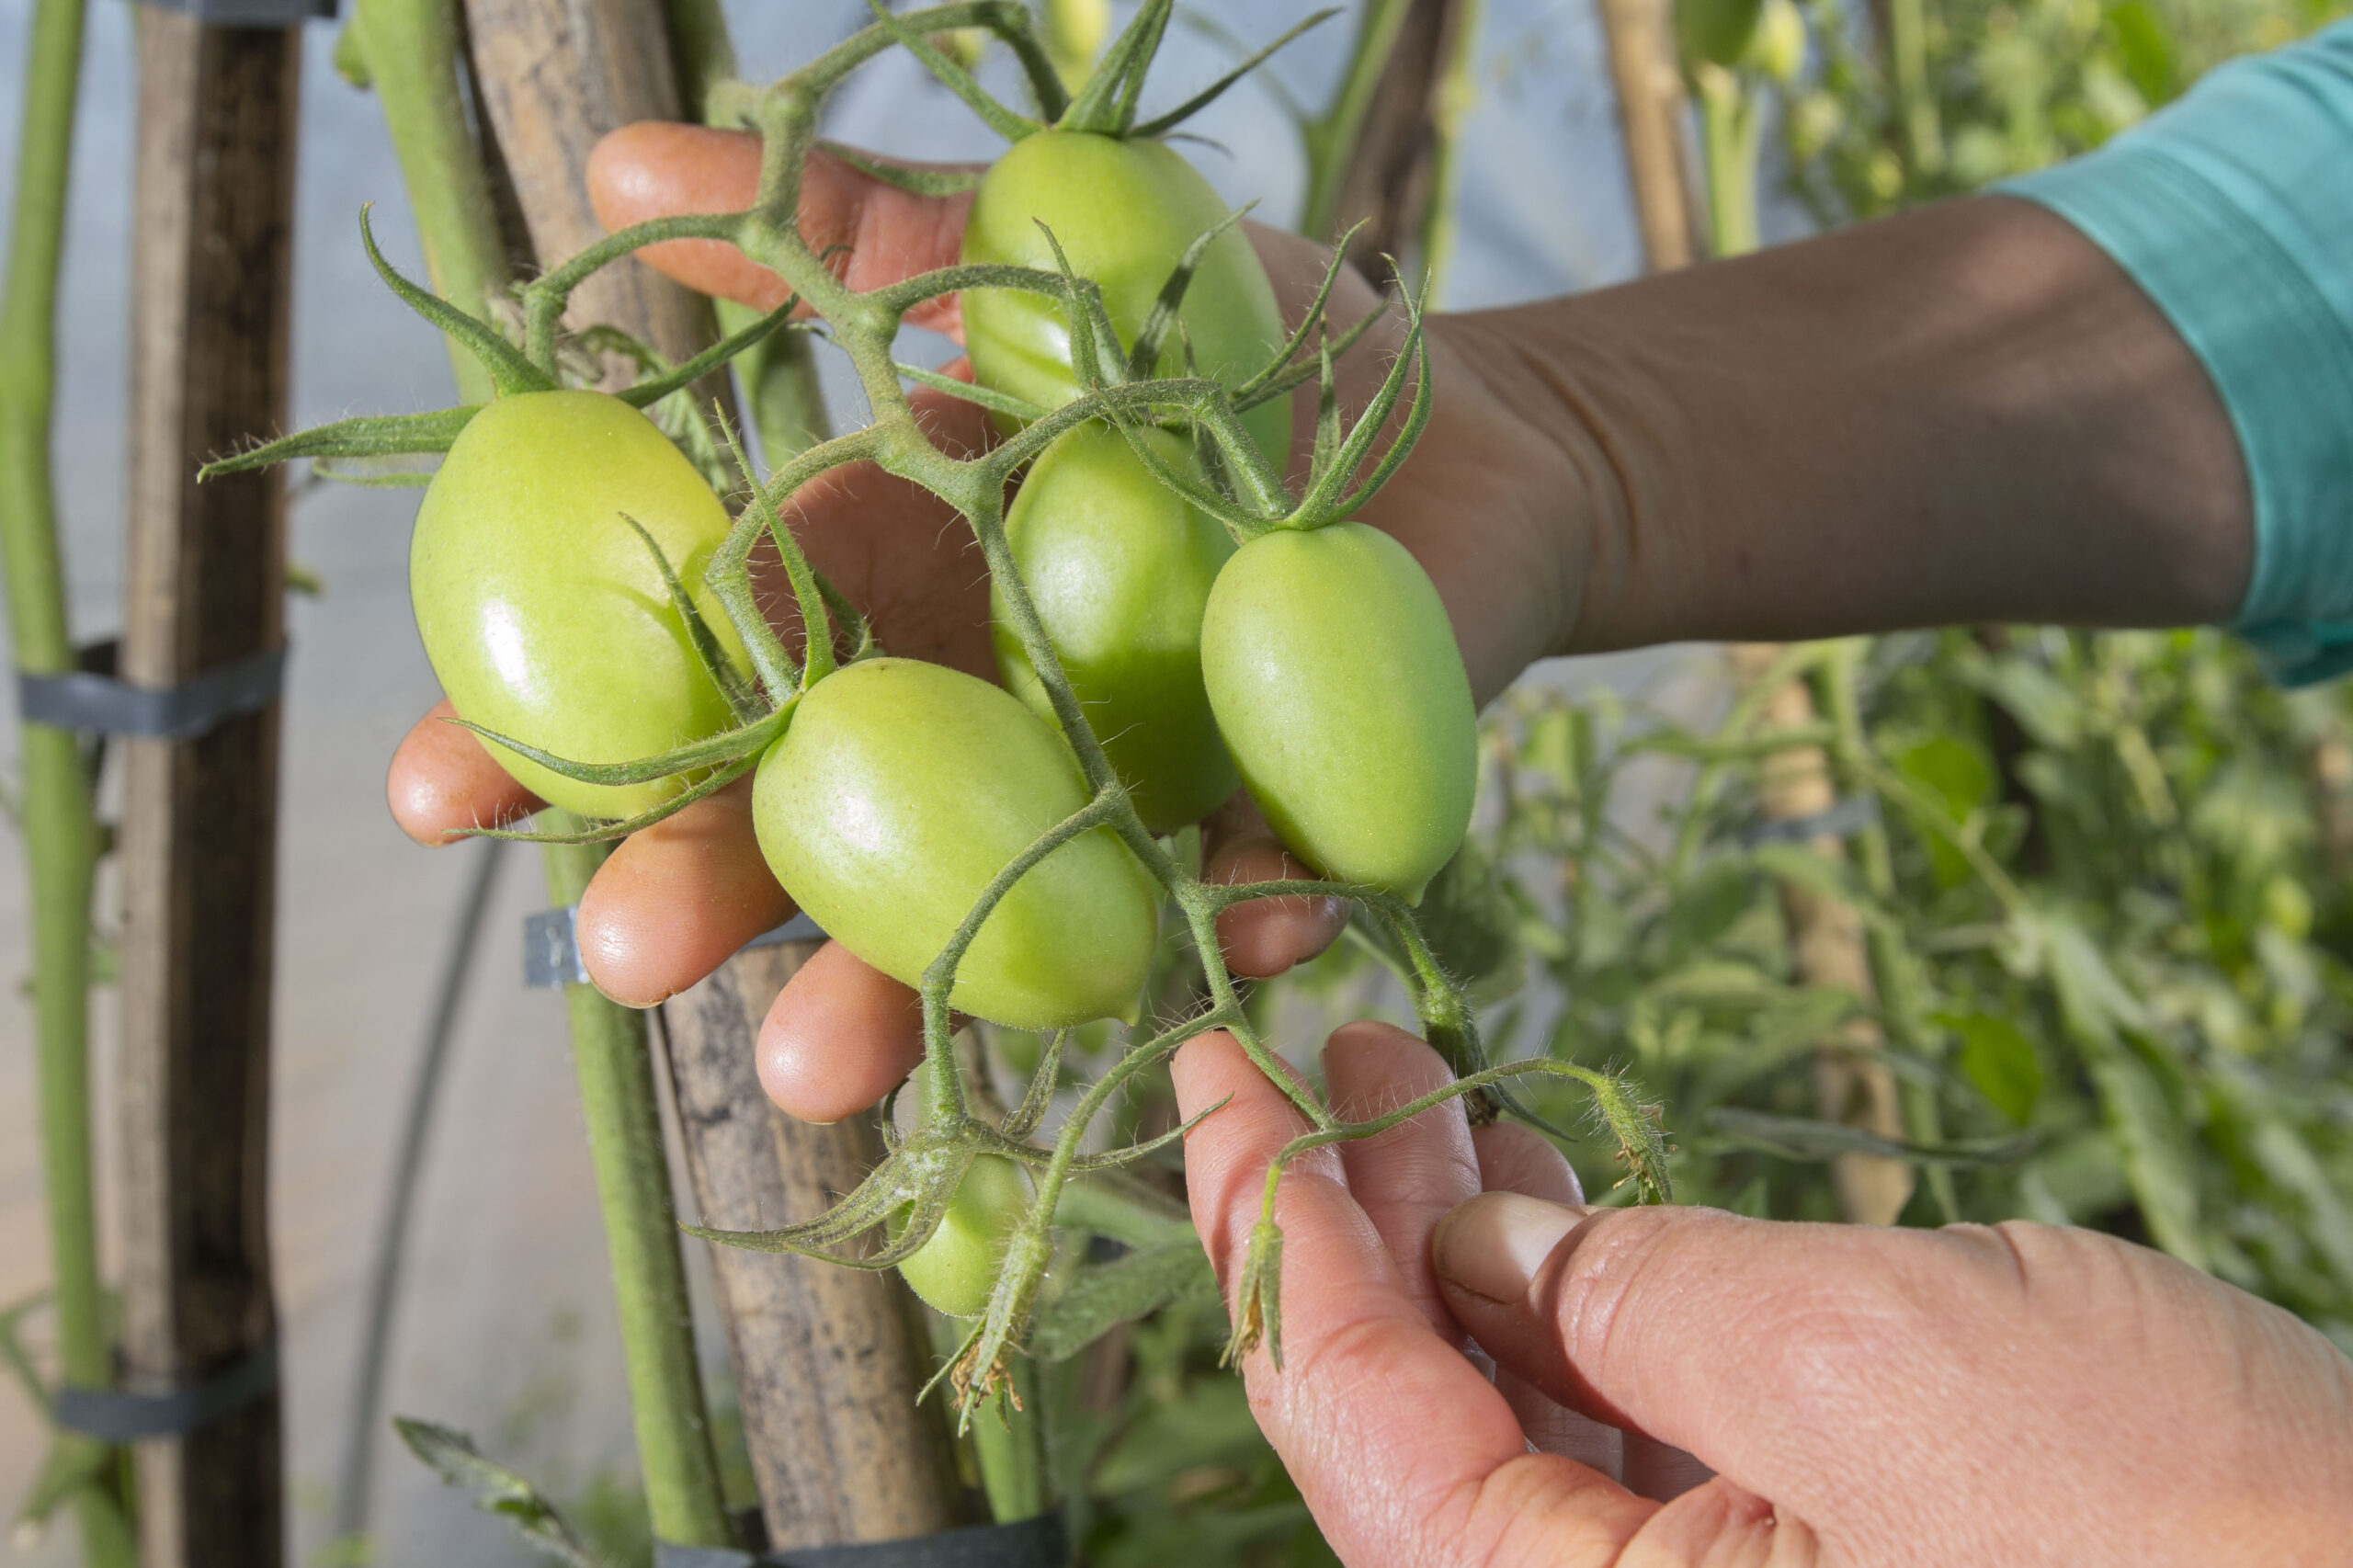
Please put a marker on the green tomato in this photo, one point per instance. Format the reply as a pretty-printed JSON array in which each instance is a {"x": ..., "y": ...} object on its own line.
[
  {"x": 1341, "y": 693},
  {"x": 1120, "y": 568},
  {"x": 1779, "y": 47},
  {"x": 897, "y": 794},
  {"x": 956, "y": 1270},
  {"x": 1124, "y": 211},
  {"x": 1716, "y": 31},
  {"x": 543, "y": 613}
]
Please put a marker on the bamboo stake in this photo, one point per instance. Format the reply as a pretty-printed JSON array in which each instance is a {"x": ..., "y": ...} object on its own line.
[
  {"x": 206, "y": 579},
  {"x": 59, "y": 823},
  {"x": 1826, "y": 940},
  {"x": 1650, "y": 115}
]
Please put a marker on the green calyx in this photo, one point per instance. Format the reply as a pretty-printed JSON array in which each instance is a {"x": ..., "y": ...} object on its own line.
[{"x": 1105, "y": 104}]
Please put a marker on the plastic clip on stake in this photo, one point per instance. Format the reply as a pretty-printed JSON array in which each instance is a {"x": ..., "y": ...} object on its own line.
[
  {"x": 124, "y": 1417},
  {"x": 94, "y": 702},
  {"x": 1039, "y": 1542},
  {"x": 1844, "y": 820},
  {"x": 251, "y": 12},
  {"x": 552, "y": 946}
]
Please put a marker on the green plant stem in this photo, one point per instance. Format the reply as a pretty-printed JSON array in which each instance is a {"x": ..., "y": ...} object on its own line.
[
  {"x": 1728, "y": 130},
  {"x": 1916, "y": 106},
  {"x": 610, "y": 1052},
  {"x": 60, "y": 836},
  {"x": 1331, "y": 136},
  {"x": 1895, "y": 971},
  {"x": 1011, "y": 1447},
  {"x": 412, "y": 49}
]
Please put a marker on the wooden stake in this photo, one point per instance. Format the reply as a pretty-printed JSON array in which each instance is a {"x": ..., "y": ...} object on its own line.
[
  {"x": 1389, "y": 173},
  {"x": 1650, "y": 112},
  {"x": 205, "y": 581},
  {"x": 828, "y": 1359},
  {"x": 1827, "y": 936}
]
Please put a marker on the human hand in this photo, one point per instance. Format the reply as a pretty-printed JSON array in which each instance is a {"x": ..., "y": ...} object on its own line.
[
  {"x": 2018, "y": 1395},
  {"x": 1477, "y": 505}
]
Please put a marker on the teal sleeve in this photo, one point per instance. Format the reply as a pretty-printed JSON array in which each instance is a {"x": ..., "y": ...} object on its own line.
[{"x": 2234, "y": 209}]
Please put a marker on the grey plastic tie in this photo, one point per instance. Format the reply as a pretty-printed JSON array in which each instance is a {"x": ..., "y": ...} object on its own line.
[
  {"x": 123, "y": 1417},
  {"x": 1040, "y": 1542},
  {"x": 94, "y": 702},
  {"x": 250, "y": 13},
  {"x": 1843, "y": 820}
]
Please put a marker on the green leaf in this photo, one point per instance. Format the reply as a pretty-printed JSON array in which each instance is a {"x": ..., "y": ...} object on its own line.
[
  {"x": 1961, "y": 777},
  {"x": 2045, "y": 707},
  {"x": 452, "y": 1455},
  {"x": 1999, "y": 1060},
  {"x": 2288, "y": 1161},
  {"x": 2159, "y": 1163},
  {"x": 1806, "y": 1139},
  {"x": 2144, "y": 47},
  {"x": 377, "y": 435},
  {"x": 1102, "y": 1296},
  {"x": 70, "y": 1466}
]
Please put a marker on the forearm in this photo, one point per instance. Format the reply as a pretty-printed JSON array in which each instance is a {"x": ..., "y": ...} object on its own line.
[{"x": 1968, "y": 413}]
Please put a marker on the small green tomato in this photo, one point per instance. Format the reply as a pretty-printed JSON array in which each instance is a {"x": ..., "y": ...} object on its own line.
[
  {"x": 543, "y": 613},
  {"x": 956, "y": 1270}
]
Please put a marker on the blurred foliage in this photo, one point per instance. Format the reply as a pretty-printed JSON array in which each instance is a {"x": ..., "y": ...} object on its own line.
[
  {"x": 2104, "y": 881},
  {"x": 2117, "y": 918},
  {"x": 2015, "y": 85}
]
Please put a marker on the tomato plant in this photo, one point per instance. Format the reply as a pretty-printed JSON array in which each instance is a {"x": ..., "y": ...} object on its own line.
[
  {"x": 1336, "y": 683},
  {"x": 955, "y": 1269},
  {"x": 900, "y": 791},
  {"x": 545, "y": 613},
  {"x": 1120, "y": 568}
]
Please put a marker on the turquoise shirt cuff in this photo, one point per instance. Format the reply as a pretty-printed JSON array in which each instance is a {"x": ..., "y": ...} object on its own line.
[{"x": 2234, "y": 210}]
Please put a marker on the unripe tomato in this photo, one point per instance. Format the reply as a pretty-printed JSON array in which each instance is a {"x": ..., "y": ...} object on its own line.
[
  {"x": 1341, "y": 693},
  {"x": 899, "y": 792},
  {"x": 542, "y": 612},
  {"x": 1779, "y": 47},
  {"x": 956, "y": 1270},
  {"x": 1716, "y": 31},
  {"x": 1120, "y": 568},
  {"x": 1124, "y": 213}
]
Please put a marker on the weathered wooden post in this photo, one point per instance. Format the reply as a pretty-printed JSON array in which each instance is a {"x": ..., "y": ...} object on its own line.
[{"x": 211, "y": 267}]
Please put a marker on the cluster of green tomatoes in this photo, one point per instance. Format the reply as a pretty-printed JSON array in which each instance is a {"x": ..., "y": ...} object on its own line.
[{"x": 1162, "y": 601}]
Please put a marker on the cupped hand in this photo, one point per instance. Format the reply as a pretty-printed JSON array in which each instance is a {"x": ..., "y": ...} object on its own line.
[
  {"x": 2019, "y": 1395},
  {"x": 1480, "y": 505}
]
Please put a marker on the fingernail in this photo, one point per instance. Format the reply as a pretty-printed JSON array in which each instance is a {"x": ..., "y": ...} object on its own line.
[{"x": 1493, "y": 1244}]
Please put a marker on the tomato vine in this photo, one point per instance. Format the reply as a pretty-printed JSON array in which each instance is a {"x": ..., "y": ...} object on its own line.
[{"x": 911, "y": 1190}]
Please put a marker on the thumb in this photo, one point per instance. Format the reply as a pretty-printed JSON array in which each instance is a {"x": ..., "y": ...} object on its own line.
[{"x": 1721, "y": 1335}]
